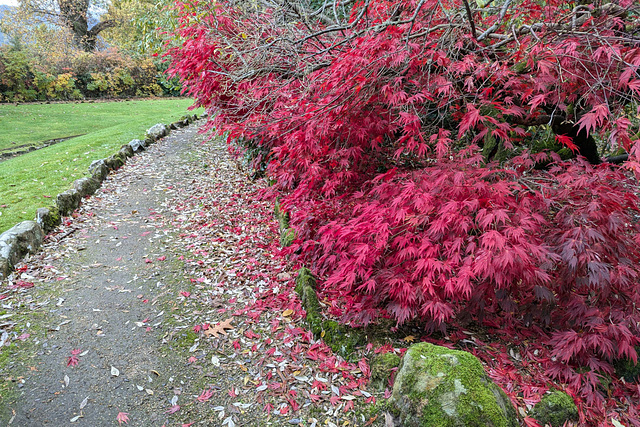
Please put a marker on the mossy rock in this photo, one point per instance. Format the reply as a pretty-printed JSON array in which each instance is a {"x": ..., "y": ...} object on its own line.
[
  {"x": 555, "y": 409},
  {"x": 382, "y": 366},
  {"x": 67, "y": 201},
  {"x": 341, "y": 338},
  {"x": 86, "y": 186},
  {"x": 282, "y": 216},
  {"x": 114, "y": 162},
  {"x": 48, "y": 218},
  {"x": 439, "y": 387},
  {"x": 625, "y": 368},
  {"x": 287, "y": 237},
  {"x": 126, "y": 151},
  {"x": 306, "y": 289}
]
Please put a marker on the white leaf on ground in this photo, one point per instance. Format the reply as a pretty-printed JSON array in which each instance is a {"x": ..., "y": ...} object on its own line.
[
  {"x": 140, "y": 388},
  {"x": 84, "y": 402},
  {"x": 215, "y": 361},
  {"x": 174, "y": 400},
  {"x": 76, "y": 418},
  {"x": 84, "y": 353},
  {"x": 114, "y": 371},
  {"x": 66, "y": 381}
]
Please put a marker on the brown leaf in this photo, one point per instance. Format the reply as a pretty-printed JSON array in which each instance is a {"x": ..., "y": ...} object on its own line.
[{"x": 219, "y": 328}]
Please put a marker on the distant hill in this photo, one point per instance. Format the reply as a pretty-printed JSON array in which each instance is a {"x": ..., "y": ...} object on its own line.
[{"x": 4, "y": 9}]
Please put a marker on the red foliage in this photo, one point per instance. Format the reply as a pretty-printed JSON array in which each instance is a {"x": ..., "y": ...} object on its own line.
[{"x": 373, "y": 132}]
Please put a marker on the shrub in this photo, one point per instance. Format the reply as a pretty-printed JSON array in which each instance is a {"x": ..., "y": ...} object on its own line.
[
  {"x": 402, "y": 138},
  {"x": 78, "y": 75}
]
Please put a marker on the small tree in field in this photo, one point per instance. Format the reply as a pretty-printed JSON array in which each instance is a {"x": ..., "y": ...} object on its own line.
[{"x": 417, "y": 147}]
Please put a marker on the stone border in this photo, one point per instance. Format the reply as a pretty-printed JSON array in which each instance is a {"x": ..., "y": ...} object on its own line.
[{"x": 27, "y": 237}]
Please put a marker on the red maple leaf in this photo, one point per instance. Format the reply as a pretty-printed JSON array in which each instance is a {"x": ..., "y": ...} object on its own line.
[
  {"x": 122, "y": 417},
  {"x": 73, "y": 359}
]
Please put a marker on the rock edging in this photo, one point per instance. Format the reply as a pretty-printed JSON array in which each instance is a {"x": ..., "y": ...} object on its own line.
[{"x": 26, "y": 237}]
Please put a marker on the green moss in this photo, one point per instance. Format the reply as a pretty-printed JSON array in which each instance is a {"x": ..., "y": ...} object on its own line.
[
  {"x": 287, "y": 237},
  {"x": 436, "y": 386},
  {"x": 186, "y": 339},
  {"x": 282, "y": 216},
  {"x": 375, "y": 411},
  {"x": 381, "y": 367},
  {"x": 555, "y": 409},
  {"x": 52, "y": 220},
  {"x": 342, "y": 339}
]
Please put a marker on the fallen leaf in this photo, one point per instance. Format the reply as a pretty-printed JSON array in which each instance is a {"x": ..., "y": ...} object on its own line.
[
  {"x": 409, "y": 338},
  {"x": 122, "y": 417},
  {"x": 84, "y": 402},
  {"x": 66, "y": 381},
  {"x": 173, "y": 409},
  {"x": 205, "y": 395},
  {"x": 73, "y": 359},
  {"x": 219, "y": 328},
  {"x": 287, "y": 312},
  {"x": 114, "y": 371}
]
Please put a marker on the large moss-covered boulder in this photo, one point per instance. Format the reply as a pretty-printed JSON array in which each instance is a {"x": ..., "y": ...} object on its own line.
[
  {"x": 555, "y": 409},
  {"x": 439, "y": 387}
]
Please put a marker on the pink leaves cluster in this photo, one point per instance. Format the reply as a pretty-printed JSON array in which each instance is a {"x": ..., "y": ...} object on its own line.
[{"x": 73, "y": 360}]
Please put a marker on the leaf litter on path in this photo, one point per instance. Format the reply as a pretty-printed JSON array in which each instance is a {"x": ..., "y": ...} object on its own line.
[{"x": 232, "y": 317}]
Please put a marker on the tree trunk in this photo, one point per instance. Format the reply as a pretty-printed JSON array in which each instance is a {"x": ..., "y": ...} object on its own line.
[{"x": 74, "y": 15}]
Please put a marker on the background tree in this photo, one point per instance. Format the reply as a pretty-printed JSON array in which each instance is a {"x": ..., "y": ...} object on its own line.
[
  {"x": 79, "y": 18},
  {"x": 137, "y": 24},
  {"x": 407, "y": 140}
]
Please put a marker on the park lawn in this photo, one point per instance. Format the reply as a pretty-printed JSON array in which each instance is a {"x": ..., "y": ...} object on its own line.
[{"x": 34, "y": 179}]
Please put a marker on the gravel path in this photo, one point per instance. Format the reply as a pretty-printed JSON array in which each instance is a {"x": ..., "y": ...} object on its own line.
[{"x": 163, "y": 302}]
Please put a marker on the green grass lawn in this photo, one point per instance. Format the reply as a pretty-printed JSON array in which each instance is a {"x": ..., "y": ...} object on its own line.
[{"x": 34, "y": 179}]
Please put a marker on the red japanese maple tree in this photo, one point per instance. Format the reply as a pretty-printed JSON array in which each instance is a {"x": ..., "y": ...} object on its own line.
[{"x": 407, "y": 140}]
